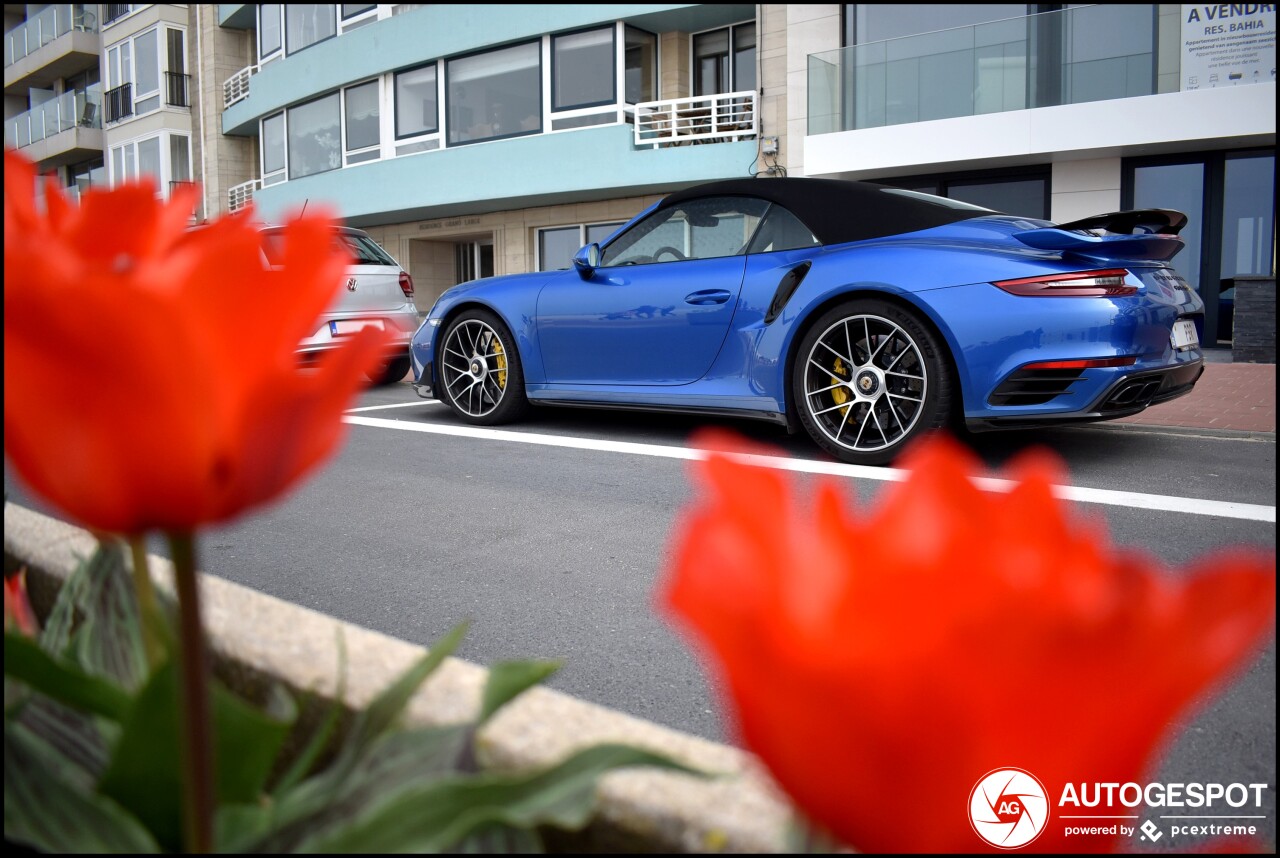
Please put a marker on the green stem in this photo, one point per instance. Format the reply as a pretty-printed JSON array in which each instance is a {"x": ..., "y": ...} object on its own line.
[
  {"x": 148, "y": 609},
  {"x": 197, "y": 735}
]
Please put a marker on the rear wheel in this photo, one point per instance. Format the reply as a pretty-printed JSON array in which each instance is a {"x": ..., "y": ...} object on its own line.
[
  {"x": 869, "y": 377},
  {"x": 481, "y": 377},
  {"x": 395, "y": 369}
]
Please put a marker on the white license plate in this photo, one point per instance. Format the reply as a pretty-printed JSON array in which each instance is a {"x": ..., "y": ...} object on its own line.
[
  {"x": 340, "y": 327},
  {"x": 1184, "y": 334}
]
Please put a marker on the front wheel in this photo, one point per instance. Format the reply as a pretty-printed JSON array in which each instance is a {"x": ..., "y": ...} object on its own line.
[
  {"x": 869, "y": 376},
  {"x": 481, "y": 377}
]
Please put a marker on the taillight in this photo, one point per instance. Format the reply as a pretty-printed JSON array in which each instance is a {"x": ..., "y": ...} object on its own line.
[
  {"x": 1076, "y": 284},
  {"x": 406, "y": 284},
  {"x": 1082, "y": 364}
]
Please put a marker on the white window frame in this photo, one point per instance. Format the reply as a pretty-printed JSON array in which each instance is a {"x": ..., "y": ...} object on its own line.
[
  {"x": 129, "y": 149},
  {"x": 275, "y": 177},
  {"x": 582, "y": 235},
  {"x": 278, "y": 53},
  {"x": 116, "y": 76},
  {"x": 362, "y": 153},
  {"x": 426, "y": 141}
]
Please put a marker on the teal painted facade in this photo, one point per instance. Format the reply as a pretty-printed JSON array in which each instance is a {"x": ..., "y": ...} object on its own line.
[{"x": 546, "y": 169}]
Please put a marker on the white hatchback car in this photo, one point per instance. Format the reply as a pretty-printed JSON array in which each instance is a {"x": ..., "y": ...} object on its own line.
[{"x": 375, "y": 291}]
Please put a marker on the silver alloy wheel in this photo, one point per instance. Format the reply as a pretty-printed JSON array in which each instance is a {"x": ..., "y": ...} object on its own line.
[
  {"x": 865, "y": 383},
  {"x": 474, "y": 368}
]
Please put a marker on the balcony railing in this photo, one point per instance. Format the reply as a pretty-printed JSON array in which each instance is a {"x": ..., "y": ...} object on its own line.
[
  {"x": 1029, "y": 61},
  {"x": 241, "y": 195},
  {"x": 236, "y": 87},
  {"x": 177, "y": 89},
  {"x": 118, "y": 102},
  {"x": 702, "y": 119},
  {"x": 47, "y": 25},
  {"x": 76, "y": 109},
  {"x": 116, "y": 10}
]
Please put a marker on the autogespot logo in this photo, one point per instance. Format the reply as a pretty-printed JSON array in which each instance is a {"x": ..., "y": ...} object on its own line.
[{"x": 1008, "y": 808}]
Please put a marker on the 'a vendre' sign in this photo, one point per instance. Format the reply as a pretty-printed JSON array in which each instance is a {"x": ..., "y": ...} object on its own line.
[{"x": 1228, "y": 45}]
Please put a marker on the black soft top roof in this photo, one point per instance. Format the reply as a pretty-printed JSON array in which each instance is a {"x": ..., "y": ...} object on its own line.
[{"x": 837, "y": 211}]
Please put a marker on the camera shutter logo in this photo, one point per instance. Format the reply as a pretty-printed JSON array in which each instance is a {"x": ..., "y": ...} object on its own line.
[{"x": 1008, "y": 808}]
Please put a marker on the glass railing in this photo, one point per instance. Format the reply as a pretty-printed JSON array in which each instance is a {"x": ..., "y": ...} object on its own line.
[
  {"x": 1087, "y": 53},
  {"x": 76, "y": 109},
  {"x": 45, "y": 26}
]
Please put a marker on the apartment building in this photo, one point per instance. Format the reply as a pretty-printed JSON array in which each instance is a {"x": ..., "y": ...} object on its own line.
[
  {"x": 473, "y": 140},
  {"x": 99, "y": 94}
]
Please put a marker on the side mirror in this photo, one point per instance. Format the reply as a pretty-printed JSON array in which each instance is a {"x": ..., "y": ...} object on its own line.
[{"x": 587, "y": 260}]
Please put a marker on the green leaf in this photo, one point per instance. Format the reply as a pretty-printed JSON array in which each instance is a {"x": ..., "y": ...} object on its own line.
[
  {"x": 316, "y": 745},
  {"x": 55, "y": 637},
  {"x": 440, "y": 815},
  {"x": 108, "y": 642},
  {"x": 145, "y": 773},
  {"x": 509, "y": 679},
  {"x": 382, "y": 713},
  {"x": 51, "y": 808},
  {"x": 24, "y": 660},
  {"x": 334, "y": 798}
]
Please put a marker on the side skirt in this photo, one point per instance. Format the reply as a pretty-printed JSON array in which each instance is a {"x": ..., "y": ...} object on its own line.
[{"x": 733, "y": 413}]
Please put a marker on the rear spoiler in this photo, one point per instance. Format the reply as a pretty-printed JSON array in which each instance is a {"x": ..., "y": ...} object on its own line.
[{"x": 1143, "y": 234}]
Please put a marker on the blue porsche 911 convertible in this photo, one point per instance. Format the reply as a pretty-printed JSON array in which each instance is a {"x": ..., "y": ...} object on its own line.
[{"x": 864, "y": 314}]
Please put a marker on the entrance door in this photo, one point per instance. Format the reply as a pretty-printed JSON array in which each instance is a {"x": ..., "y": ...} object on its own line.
[{"x": 472, "y": 260}]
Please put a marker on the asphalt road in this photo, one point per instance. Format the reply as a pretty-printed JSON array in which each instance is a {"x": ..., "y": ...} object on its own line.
[{"x": 551, "y": 549}]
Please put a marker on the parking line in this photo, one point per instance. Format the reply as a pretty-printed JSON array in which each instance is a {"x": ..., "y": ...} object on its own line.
[
  {"x": 1132, "y": 500},
  {"x": 396, "y": 405}
]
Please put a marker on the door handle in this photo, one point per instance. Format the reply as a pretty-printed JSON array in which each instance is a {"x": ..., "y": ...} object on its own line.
[{"x": 708, "y": 296}]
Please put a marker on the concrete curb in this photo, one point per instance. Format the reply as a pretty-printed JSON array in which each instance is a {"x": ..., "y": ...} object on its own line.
[{"x": 257, "y": 639}]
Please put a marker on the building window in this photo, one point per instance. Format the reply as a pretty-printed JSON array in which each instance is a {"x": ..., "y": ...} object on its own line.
[
  {"x": 557, "y": 245},
  {"x": 1229, "y": 199},
  {"x": 361, "y": 109},
  {"x": 136, "y": 68},
  {"x": 725, "y": 60},
  {"x": 416, "y": 102},
  {"x": 269, "y": 31},
  {"x": 313, "y": 131},
  {"x": 163, "y": 161},
  {"x": 357, "y": 15},
  {"x": 273, "y": 149},
  {"x": 1024, "y": 192},
  {"x": 495, "y": 94},
  {"x": 582, "y": 69},
  {"x": 306, "y": 24},
  {"x": 640, "y": 66}
]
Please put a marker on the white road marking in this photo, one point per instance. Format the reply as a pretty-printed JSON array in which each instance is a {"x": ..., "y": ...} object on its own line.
[
  {"x": 397, "y": 405},
  {"x": 1132, "y": 500}
]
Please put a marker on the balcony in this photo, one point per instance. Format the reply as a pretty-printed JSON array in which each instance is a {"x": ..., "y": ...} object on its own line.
[
  {"x": 55, "y": 43},
  {"x": 63, "y": 130},
  {"x": 702, "y": 119},
  {"x": 240, "y": 196},
  {"x": 236, "y": 87},
  {"x": 1042, "y": 60},
  {"x": 118, "y": 102},
  {"x": 177, "y": 88}
]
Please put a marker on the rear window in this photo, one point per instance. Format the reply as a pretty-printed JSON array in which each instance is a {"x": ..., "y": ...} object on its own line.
[
  {"x": 363, "y": 249},
  {"x": 366, "y": 250}
]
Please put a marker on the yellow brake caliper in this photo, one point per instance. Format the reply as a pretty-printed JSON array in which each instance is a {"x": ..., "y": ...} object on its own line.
[
  {"x": 839, "y": 394},
  {"x": 501, "y": 361}
]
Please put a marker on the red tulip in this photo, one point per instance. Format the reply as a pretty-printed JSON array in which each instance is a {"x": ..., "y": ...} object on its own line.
[
  {"x": 150, "y": 380},
  {"x": 17, "y": 607},
  {"x": 881, "y": 662}
]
